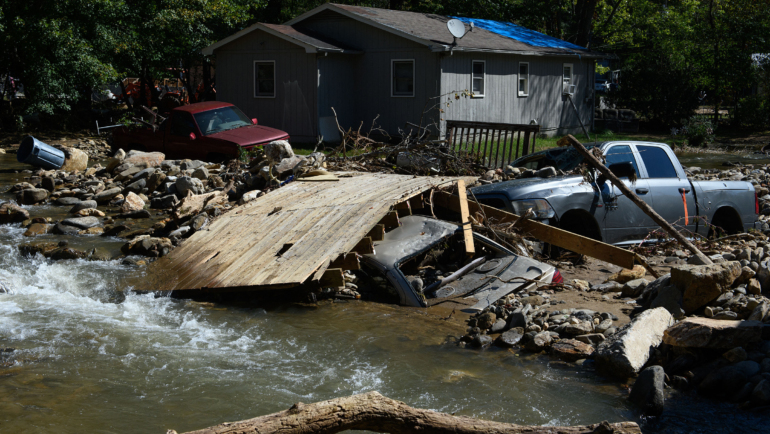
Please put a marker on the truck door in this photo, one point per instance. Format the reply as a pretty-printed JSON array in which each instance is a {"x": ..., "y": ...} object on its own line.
[
  {"x": 178, "y": 143},
  {"x": 669, "y": 186},
  {"x": 624, "y": 222}
]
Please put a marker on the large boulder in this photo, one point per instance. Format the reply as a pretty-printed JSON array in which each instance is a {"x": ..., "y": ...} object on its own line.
[
  {"x": 151, "y": 159},
  {"x": 154, "y": 181},
  {"x": 278, "y": 150},
  {"x": 702, "y": 284},
  {"x": 81, "y": 222},
  {"x": 31, "y": 196},
  {"x": 74, "y": 160},
  {"x": 647, "y": 391},
  {"x": 699, "y": 332},
  {"x": 186, "y": 184},
  {"x": 571, "y": 350},
  {"x": 287, "y": 166},
  {"x": 624, "y": 353},
  {"x": 132, "y": 203},
  {"x": 12, "y": 213}
]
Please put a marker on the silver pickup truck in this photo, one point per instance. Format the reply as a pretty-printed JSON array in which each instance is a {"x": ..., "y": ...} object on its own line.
[{"x": 598, "y": 210}]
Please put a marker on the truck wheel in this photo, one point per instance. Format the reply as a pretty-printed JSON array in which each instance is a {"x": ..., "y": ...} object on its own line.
[
  {"x": 577, "y": 222},
  {"x": 726, "y": 221}
]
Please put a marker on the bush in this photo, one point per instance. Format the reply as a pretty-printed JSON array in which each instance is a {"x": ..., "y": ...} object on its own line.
[
  {"x": 698, "y": 131},
  {"x": 753, "y": 111}
]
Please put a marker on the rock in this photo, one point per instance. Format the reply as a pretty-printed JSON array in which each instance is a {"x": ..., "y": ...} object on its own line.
[
  {"x": 180, "y": 232},
  {"x": 510, "y": 338},
  {"x": 278, "y": 150},
  {"x": 608, "y": 287},
  {"x": 726, "y": 381},
  {"x": 66, "y": 201},
  {"x": 66, "y": 253},
  {"x": 754, "y": 287},
  {"x": 137, "y": 186},
  {"x": 539, "y": 342},
  {"x": 486, "y": 320},
  {"x": 287, "y": 165},
  {"x": 145, "y": 245},
  {"x": 154, "y": 181},
  {"x": 199, "y": 221},
  {"x": 37, "y": 229},
  {"x": 200, "y": 173},
  {"x": 107, "y": 195},
  {"x": 534, "y": 300},
  {"x": 30, "y": 250},
  {"x": 12, "y": 213},
  {"x": 580, "y": 328},
  {"x": 191, "y": 165},
  {"x": 626, "y": 275},
  {"x": 62, "y": 229},
  {"x": 591, "y": 338},
  {"x": 168, "y": 201},
  {"x": 74, "y": 160},
  {"x": 698, "y": 332},
  {"x": 571, "y": 350},
  {"x": 186, "y": 185},
  {"x": 760, "y": 395},
  {"x": 132, "y": 203},
  {"x": 517, "y": 319},
  {"x": 581, "y": 285},
  {"x": 633, "y": 288},
  {"x": 140, "y": 214},
  {"x": 481, "y": 341},
  {"x": 248, "y": 197},
  {"x": 546, "y": 172},
  {"x": 726, "y": 315},
  {"x": 702, "y": 284},
  {"x": 669, "y": 297},
  {"x": 81, "y": 222},
  {"x": 120, "y": 155},
  {"x": 89, "y": 212},
  {"x": 735, "y": 355},
  {"x": 498, "y": 326},
  {"x": 624, "y": 353},
  {"x": 150, "y": 159},
  {"x": 647, "y": 391},
  {"x": 31, "y": 196},
  {"x": 48, "y": 183},
  {"x": 86, "y": 204},
  {"x": 760, "y": 312},
  {"x": 603, "y": 326}
]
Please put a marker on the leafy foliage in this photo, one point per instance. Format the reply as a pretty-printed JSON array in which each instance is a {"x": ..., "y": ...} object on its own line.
[{"x": 697, "y": 130}]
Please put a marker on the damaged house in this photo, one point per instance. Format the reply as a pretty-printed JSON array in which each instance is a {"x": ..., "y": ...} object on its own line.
[{"x": 367, "y": 62}]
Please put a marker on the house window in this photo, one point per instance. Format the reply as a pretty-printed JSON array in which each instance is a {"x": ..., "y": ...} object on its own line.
[
  {"x": 567, "y": 79},
  {"x": 264, "y": 79},
  {"x": 402, "y": 73},
  {"x": 478, "y": 77},
  {"x": 523, "y": 78}
]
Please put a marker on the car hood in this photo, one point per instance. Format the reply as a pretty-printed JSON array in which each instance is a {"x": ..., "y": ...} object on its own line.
[
  {"x": 529, "y": 187},
  {"x": 251, "y": 135}
]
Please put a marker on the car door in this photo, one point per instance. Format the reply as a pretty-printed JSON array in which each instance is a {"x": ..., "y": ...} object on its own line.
[
  {"x": 179, "y": 143},
  {"x": 623, "y": 221},
  {"x": 670, "y": 188}
]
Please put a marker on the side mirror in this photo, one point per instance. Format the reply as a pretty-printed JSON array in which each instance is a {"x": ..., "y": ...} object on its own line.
[
  {"x": 623, "y": 170},
  {"x": 192, "y": 136},
  {"x": 254, "y": 121}
]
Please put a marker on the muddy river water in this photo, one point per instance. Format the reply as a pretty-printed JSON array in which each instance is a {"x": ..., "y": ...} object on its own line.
[{"x": 91, "y": 356}]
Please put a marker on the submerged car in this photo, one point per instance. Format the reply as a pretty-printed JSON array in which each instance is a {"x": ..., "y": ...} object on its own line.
[
  {"x": 423, "y": 262},
  {"x": 209, "y": 131}
]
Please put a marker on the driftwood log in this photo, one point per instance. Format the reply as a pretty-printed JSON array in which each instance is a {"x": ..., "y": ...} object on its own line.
[
  {"x": 374, "y": 412},
  {"x": 635, "y": 199}
]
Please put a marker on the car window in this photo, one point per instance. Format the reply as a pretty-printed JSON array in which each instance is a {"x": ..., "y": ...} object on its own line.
[
  {"x": 221, "y": 119},
  {"x": 182, "y": 124},
  {"x": 657, "y": 162},
  {"x": 621, "y": 154}
]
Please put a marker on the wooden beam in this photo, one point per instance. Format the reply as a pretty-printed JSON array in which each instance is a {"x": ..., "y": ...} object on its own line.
[
  {"x": 391, "y": 220},
  {"x": 402, "y": 205},
  {"x": 332, "y": 278},
  {"x": 544, "y": 232},
  {"x": 377, "y": 233},
  {"x": 364, "y": 246},
  {"x": 347, "y": 261},
  {"x": 635, "y": 199},
  {"x": 465, "y": 220}
]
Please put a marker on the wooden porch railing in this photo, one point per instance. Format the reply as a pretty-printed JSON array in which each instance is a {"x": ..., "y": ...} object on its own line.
[{"x": 497, "y": 144}]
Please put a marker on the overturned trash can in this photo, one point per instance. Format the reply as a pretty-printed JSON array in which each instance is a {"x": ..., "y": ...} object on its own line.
[{"x": 33, "y": 151}]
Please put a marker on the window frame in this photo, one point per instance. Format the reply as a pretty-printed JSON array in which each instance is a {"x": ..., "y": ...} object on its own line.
[
  {"x": 518, "y": 75},
  {"x": 571, "y": 77},
  {"x": 631, "y": 150},
  {"x": 393, "y": 78},
  {"x": 483, "y": 78},
  {"x": 256, "y": 95}
]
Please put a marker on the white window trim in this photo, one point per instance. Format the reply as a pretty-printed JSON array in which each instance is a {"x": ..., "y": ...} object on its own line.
[
  {"x": 518, "y": 80},
  {"x": 414, "y": 81},
  {"x": 483, "y": 79},
  {"x": 571, "y": 76},
  {"x": 254, "y": 79}
]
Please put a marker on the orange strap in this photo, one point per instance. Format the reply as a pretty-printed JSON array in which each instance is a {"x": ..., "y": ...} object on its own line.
[{"x": 686, "y": 217}]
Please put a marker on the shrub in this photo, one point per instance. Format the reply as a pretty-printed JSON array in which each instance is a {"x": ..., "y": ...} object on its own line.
[
  {"x": 753, "y": 111},
  {"x": 698, "y": 131}
]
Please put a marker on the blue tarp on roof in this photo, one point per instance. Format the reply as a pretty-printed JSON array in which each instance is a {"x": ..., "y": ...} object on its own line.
[{"x": 522, "y": 34}]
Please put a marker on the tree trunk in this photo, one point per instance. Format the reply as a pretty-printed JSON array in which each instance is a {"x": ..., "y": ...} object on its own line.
[
  {"x": 374, "y": 412},
  {"x": 635, "y": 199}
]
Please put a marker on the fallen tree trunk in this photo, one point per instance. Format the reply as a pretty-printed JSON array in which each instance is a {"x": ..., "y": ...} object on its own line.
[
  {"x": 374, "y": 412},
  {"x": 635, "y": 199}
]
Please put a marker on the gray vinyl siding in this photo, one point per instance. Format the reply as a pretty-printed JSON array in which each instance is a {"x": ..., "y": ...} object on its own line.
[
  {"x": 294, "y": 108},
  {"x": 501, "y": 102}
]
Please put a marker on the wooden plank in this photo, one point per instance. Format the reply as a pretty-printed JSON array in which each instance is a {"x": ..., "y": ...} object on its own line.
[
  {"x": 401, "y": 205},
  {"x": 549, "y": 234},
  {"x": 465, "y": 220},
  {"x": 377, "y": 233},
  {"x": 332, "y": 278},
  {"x": 346, "y": 261},
  {"x": 364, "y": 247},
  {"x": 391, "y": 220}
]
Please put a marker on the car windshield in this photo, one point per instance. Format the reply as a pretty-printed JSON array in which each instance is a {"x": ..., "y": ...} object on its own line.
[
  {"x": 221, "y": 119},
  {"x": 566, "y": 159}
]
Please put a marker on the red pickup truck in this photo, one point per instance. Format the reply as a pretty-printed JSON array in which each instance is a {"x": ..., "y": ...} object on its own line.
[{"x": 209, "y": 131}]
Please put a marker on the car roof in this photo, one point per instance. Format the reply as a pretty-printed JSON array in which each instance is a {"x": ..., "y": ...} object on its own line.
[{"x": 202, "y": 106}]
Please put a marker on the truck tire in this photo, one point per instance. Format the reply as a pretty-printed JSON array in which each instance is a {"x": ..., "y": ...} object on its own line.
[
  {"x": 726, "y": 221},
  {"x": 578, "y": 222}
]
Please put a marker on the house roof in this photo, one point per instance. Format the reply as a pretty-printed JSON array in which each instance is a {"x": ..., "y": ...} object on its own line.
[
  {"x": 431, "y": 30},
  {"x": 311, "y": 43}
]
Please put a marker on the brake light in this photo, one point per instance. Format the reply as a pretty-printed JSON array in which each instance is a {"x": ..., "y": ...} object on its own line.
[
  {"x": 756, "y": 203},
  {"x": 557, "y": 277}
]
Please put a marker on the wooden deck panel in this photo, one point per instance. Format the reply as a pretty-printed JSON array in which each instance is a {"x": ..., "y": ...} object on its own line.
[{"x": 310, "y": 224}]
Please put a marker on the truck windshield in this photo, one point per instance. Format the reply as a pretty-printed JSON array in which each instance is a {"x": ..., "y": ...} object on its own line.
[
  {"x": 565, "y": 159},
  {"x": 221, "y": 119}
]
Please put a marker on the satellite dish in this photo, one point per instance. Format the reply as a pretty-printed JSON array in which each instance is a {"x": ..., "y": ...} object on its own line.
[{"x": 456, "y": 28}]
